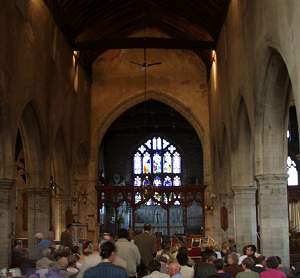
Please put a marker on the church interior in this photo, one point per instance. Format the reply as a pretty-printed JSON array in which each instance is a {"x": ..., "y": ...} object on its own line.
[{"x": 179, "y": 114}]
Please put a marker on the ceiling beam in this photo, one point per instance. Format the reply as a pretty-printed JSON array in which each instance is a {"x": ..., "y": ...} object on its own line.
[{"x": 131, "y": 43}]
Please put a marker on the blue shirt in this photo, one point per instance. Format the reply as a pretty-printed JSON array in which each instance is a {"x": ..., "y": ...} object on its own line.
[
  {"x": 177, "y": 275},
  {"x": 106, "y": 270}
]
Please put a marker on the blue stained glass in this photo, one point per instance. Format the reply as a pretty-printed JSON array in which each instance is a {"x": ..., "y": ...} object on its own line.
[
  {"x": 146, "y": 163},
  {"x": 167, "y": 162},
  {"x": 167, "y": 181},
  {"x": 146, "y": 181},
  {"x": 156, "y": 163},
  {"x": 137, "y": 164},
  {"x": 157, "y": 181},
  {"x": 176, "y": 163}
]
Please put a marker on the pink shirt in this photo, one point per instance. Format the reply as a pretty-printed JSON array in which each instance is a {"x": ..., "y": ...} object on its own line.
[{"x": 272, "y": 273}]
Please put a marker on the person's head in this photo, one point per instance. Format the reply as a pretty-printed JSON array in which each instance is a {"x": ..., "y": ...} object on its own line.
[
  {"x": 72, "y": 260},
  {"x": 219, "y": 264},
  {"x": 108, "y": 251},
  {"x": 225, "y": 247},
  {"x": 163, "y": 259},
  {"x": 147, "y": 227},
  {"x": 107, "y": 237},
  {"x": 174, "y": 268},
  {"x": 261, "y": 260},
  {"x": 123, "y": 233},
  {"x": 183, "y": 250},
  {"x": 182, "y": 259},
  {"x": 69, "y": 227},
  {"x": 131, "y": 234},
  {"x": 279, "y": 260},
  {"x": 154, "y": 265},
  {"x": 62, "y": 262},
  {"x": 233, "y": 259},
  {"x": 250, "y": 250},
  {"x": 247, "y": 263},
  {"x": 46, "y": 253},
  {"x": 76, "y": 250},
  {"x": 39, "y": 236},
  {"x": 272, "y": 262},
  {"x": 166, "y": 245}
]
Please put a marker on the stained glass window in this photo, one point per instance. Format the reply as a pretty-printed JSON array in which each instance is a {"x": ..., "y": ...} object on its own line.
[
  {"x": 146, "y": 163},
  {"x": 157, "y": 181},
  {"x": 176, "y": 163},
  {"x": 177, "y": 181},
  {"x": 137, "y": 164},
  {"x": 137, "y": 181},
  {"x": 167, "y": 163},
  {"x": 157, "y": 163},
  {"x": 167, "y": 181}
]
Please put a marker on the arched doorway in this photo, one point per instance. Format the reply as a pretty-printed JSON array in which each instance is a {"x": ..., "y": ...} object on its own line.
[{"x": 151, "y": 169}]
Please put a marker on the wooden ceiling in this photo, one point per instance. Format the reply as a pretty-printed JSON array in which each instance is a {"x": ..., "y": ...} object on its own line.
[{"x": 92, "y": 26}]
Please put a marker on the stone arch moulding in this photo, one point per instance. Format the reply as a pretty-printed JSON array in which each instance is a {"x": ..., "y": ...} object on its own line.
[
  {"x": 139, "y": 98},
  {"x": 272, "y": 113},
  {"x": 30, "y": 131},
  {"x": 240, "y": 107}
]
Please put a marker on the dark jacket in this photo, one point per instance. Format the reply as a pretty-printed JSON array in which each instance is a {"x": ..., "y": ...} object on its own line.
[
  {"x": 106, "y": 270},
  {"x": 147, "y": 247}
]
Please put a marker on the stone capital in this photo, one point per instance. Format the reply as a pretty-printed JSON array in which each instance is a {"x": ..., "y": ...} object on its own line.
[
  {"x": 6, "y": 184},
  {"x": 271, "y": 179}
]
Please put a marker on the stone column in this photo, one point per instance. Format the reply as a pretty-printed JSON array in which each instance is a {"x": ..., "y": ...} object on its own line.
[
  {"x": 273, "y": 215},
  {"x": 245, "y": 215},
  {"x": 38, "y": 214},
  {"x": 5, "y": 222}
]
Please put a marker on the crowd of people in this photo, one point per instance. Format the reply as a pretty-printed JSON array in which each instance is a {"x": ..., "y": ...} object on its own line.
[{"x": 137, "y": 256}]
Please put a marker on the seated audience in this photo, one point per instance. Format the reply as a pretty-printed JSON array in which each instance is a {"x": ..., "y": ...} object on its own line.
[
  {"x": 247, "y": 265},
  {"x": 232, "y": 266},
  {"x": 45, "y": 262},
  {"x": 72, "y": 267}
]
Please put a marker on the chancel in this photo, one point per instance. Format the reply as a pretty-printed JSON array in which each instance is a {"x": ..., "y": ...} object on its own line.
[{"x": 165, "y": 129}]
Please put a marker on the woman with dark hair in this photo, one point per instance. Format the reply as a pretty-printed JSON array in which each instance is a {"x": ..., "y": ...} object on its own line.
[
  {"x": 248, "y": 264},
  {"x": 272, "y": 269}
]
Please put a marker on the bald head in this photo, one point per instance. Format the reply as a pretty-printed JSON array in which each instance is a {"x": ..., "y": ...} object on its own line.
[{"x": 173, "y": 268}]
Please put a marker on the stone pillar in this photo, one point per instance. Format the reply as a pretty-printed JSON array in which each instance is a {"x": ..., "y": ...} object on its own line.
[
  {"x": 273, "y": 215},
  {"x": 245, "y": 215},
  {"x": 5, "y": 222},
  {"x": 38, "y": 214}
]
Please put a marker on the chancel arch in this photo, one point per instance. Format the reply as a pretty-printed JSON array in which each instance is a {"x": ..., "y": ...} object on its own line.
[{"x": 154, "y": 163}]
